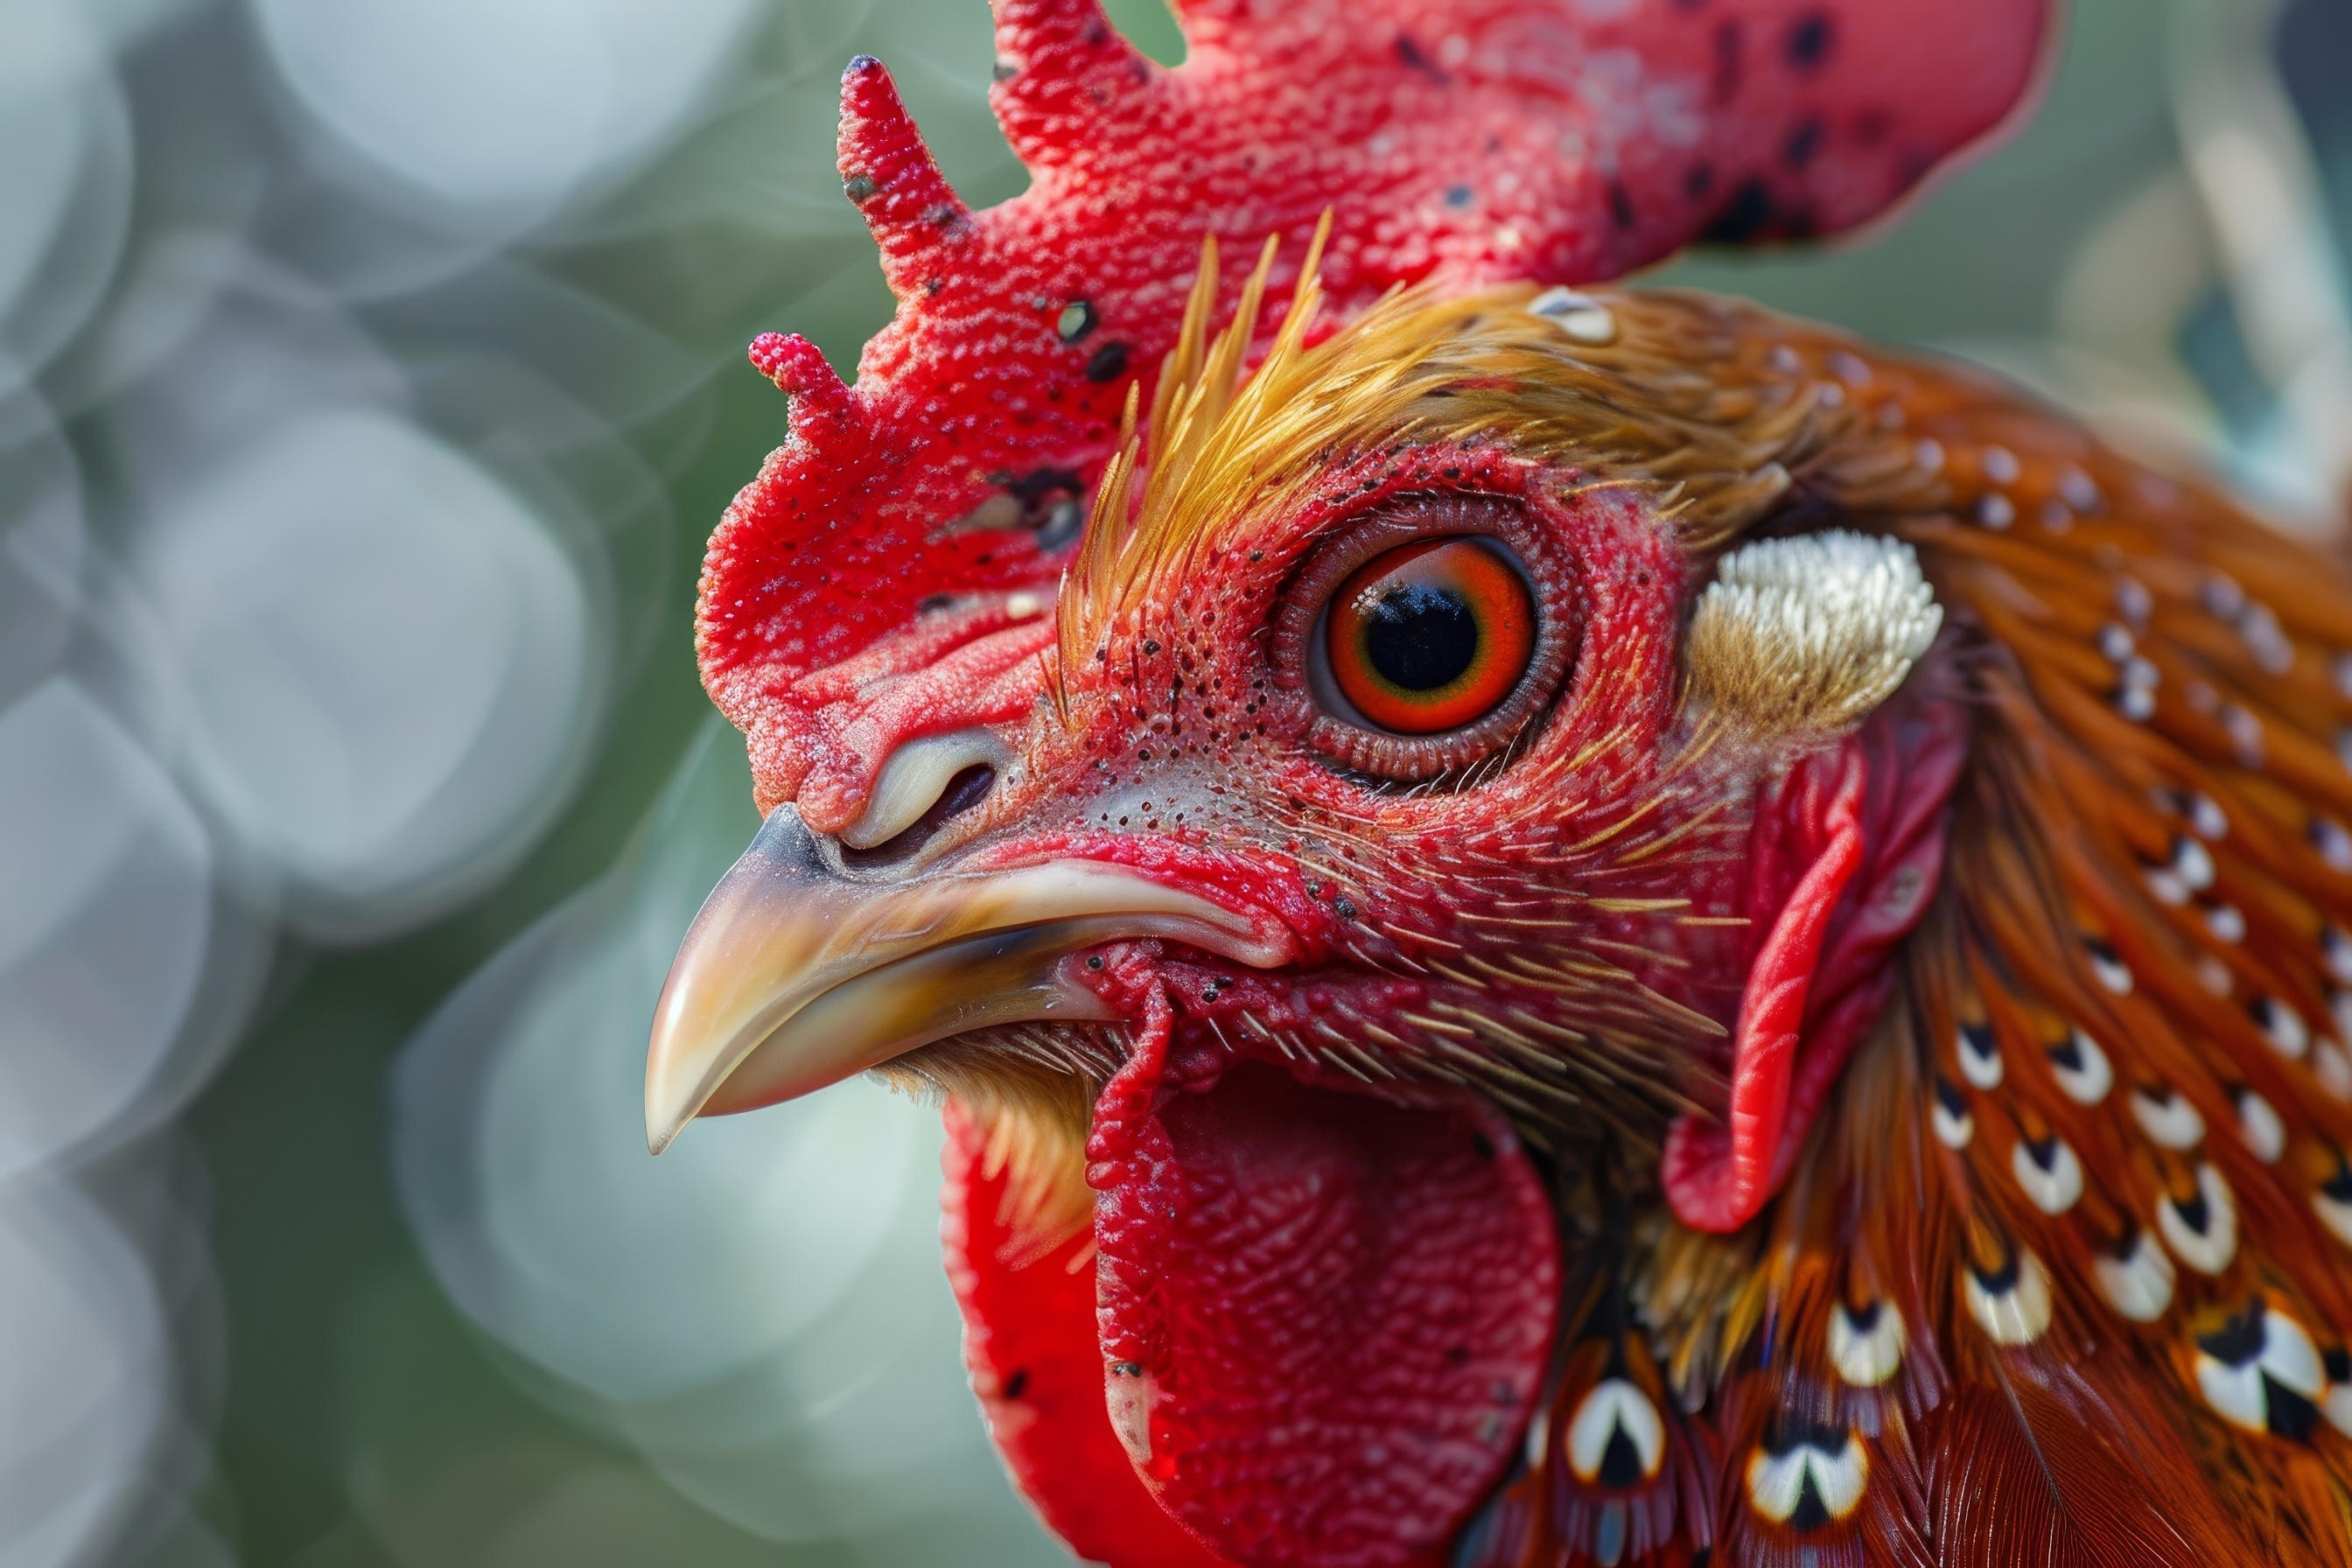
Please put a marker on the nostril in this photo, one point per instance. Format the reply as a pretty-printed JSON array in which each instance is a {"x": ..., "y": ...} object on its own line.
[
  {"x": 915, "y": 777},
  {"x": 964, "y": 791}
]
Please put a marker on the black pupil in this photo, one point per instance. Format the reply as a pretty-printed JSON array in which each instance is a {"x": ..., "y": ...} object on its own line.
[{"x": 1420, "y": 637}]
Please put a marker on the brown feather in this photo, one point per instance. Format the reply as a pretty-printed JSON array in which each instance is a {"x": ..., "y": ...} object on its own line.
[{"x": 2102, "y": 1131}]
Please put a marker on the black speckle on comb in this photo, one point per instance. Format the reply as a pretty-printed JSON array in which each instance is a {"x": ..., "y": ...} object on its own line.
[
  {"x": 1811, "y": 39},
  {"x": 1750, "y": 212},
  {"x": 1110, "y": 362},
  {"x": 1411, "y": 55},
  {"x": 1620, "y": 204}
]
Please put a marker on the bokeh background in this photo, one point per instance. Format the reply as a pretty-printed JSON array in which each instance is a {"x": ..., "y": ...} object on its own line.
[{"x": 371, "y": 372}]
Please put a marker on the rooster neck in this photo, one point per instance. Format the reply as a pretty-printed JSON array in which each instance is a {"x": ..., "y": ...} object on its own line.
[{"x": 2083, "y": 1191}]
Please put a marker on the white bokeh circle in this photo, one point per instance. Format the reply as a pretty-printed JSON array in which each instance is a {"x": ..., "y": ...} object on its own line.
[
  {"x": 41, "y": 540},
  {"x": 495, "y": 104},
  {"x": 85, "y": 1374},
  {"x": 65, "y": 160},
  {"x": 105, "y": 927},
  {"x": 380, "y": 663}
]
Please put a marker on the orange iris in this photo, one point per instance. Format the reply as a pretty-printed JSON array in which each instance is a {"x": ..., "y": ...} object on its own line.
[{"x": 1430, "y": 636}]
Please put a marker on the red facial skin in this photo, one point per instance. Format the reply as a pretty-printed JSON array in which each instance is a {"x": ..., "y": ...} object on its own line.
[
  {"x": 1323, "y": 1314},
  {"x": 1252, "y": 1172},
  {"x": 1187, "y": 713}
]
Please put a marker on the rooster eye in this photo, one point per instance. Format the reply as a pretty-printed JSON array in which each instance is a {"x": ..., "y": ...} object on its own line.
[
  {"x": 1426, "y": 635},
  {"x": 1430, "y": 636}
]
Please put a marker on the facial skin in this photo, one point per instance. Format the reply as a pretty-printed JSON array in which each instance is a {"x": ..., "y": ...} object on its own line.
[
  {"x": 1304, "y": 1013},
  {"x": 1555, "y": 901},
  {"x": 1555, "y": 875},
  {"x": 1456, "y": 872}
]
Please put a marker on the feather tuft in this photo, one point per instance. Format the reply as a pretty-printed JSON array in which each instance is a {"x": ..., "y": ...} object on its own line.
[{"x": 1798, "y": 639}]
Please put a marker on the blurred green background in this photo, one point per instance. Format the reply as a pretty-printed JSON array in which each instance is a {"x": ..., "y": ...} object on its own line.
[{"x": 410, "y": 1304}]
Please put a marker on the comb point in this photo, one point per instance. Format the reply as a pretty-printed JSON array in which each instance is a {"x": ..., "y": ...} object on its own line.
[
  {"x": 822, "y": 402},
  {"x": 889, "y": 173},
  {"x": 1060, "y": 64}
]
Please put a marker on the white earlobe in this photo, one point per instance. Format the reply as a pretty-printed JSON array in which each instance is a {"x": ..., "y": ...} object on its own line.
[{"x": 1802, "y": 637}]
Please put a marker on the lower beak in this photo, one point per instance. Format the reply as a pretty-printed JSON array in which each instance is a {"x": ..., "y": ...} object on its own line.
[{"x": 794, "y": 977}]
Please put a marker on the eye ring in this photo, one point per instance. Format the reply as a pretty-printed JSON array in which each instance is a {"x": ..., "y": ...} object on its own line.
[{"x": 1505, "y": 552}]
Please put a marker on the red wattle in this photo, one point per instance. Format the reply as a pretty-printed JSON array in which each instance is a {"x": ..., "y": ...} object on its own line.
[
  {"x": 1325, "y": 1318},
  {"x": 1717, "y": 1174},
  {"x": 1029, "y": 1345},
  {"x": 1856, "y": 835}
]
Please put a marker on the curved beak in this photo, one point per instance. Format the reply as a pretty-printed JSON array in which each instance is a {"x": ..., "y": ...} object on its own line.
[{"x": 794, "y": 977}]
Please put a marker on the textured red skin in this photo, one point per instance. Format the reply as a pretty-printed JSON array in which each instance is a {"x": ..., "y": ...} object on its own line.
[
  {"x": 1304, "y": 1274},
  {"x": 1133, "y": 730},
  {"x": 1915, "y": 748},
  {"x": 1718, "y": 1174},
  {"x": 1327, "y": 1315},
  {"x": 1029, "y": 1345},
  {"x": 1849, "y": 852},
  {"x": 1463, "y": 143}
]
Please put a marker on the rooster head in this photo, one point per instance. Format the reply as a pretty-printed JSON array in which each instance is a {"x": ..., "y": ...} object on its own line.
[
  {"x": 1385, "y": 784},
  {"x": 1389, "y": 814}
]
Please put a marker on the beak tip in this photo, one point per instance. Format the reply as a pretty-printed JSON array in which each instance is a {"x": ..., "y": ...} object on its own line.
[
  {"x": 665, "y": 1115},
  {"x": 662, "y": 1122}
]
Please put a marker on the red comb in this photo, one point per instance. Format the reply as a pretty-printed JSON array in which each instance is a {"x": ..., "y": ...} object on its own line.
[{"x": 1471, "y": 142}]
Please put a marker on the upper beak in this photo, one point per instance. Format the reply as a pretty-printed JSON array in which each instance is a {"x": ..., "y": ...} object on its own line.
[{"x": 793, "y": 977}]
